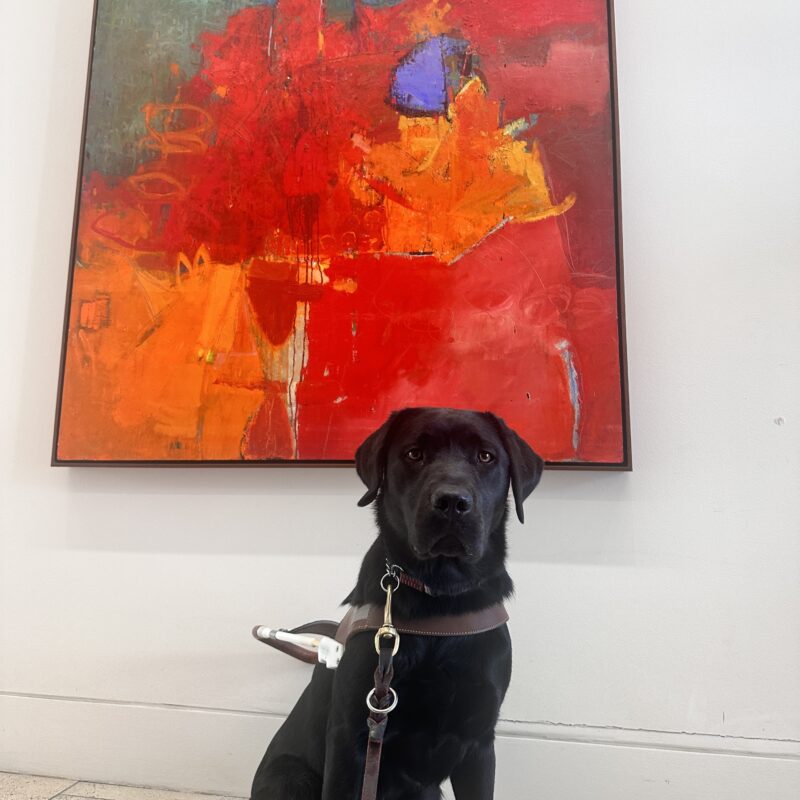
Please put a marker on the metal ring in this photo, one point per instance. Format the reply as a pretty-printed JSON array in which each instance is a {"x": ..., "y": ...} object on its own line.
[
  {"x": 375, "y": 710},
  {"x": 389, "y": 575}
]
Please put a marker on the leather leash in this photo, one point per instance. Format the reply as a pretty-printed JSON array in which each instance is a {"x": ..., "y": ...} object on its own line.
[{"x": 382, "y": 700}]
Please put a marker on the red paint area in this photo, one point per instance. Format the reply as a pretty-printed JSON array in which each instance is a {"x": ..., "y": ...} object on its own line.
[
  {"x": 251, "y": 166},
  {"x": 483, "y": 334}
]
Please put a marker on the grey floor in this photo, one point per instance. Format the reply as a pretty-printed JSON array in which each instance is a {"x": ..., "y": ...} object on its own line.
[{"x": 34, "y": 787}]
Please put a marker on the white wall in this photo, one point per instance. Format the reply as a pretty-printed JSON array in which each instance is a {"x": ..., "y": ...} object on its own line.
[{"x": 657, "y": 623}]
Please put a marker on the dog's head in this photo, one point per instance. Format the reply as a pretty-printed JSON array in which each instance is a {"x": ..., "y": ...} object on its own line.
[{"x": 442, "y": 478}]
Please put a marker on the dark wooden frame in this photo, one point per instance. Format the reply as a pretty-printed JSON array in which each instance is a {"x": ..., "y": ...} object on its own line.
[{"x": 626, "y": 465}]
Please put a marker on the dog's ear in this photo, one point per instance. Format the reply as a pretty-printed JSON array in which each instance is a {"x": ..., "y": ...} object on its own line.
[
  {"x": 371, "y": 459},
  {"x": 525, "y": 466}
]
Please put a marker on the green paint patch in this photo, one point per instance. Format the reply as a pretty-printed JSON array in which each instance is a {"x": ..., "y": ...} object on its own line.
[{"x": 136, "y": 46}]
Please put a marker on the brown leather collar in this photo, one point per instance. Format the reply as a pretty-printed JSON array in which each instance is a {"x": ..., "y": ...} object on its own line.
[
  {"x": 420, "y": 586},
  {"x": 413, "y": 583},
  {"x": 370, "y": 617}
]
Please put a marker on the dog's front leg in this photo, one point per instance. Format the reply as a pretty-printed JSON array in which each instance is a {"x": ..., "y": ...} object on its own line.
[
  {"x": 473, "y": 778},
  {"x": 346, "y": 733},
  {"x": 343, "y": 767}
]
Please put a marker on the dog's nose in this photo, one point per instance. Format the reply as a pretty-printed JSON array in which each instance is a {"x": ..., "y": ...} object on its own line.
[{"x": 448, "y": 500}]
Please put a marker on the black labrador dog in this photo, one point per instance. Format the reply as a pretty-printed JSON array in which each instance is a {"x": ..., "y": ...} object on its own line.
[{"x": 440, "y": 479}]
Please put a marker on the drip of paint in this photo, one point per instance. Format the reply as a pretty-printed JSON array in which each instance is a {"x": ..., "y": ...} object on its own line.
[{"x": 573, "y": 380}]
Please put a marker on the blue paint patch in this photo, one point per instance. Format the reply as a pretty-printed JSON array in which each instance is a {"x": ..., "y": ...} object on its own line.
[{"x": 422, "y": 79}]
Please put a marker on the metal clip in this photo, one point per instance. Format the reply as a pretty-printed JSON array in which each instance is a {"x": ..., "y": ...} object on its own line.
[{"x": 388, "y": 628}]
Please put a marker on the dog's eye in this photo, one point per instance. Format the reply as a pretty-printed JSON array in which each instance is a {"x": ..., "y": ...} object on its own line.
[
  {"x": 485, "y": 457},
  {"x": 414, "y": 454}
]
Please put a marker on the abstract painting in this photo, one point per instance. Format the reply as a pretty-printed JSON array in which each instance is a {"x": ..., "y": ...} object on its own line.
[{"x": 295, "y": 216}]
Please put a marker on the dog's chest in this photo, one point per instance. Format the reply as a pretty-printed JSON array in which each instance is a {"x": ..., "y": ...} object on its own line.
[
  {"x": 449, "y": 696},
  {"x": 450, "y": 687}
]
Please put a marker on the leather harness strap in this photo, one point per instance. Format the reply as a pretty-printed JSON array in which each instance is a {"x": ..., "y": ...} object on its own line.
[
  {"x": 361, "y": 619},
  {"x": 369, "y": 618}
]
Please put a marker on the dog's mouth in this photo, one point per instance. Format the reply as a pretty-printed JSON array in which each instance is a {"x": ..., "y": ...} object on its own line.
[
  {"x": 455, "y": 539},
  {"x": 449, "y": 546}
]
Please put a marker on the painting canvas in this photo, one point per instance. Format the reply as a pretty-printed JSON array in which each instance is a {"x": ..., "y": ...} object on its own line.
[{"x": 295, "y": 216}]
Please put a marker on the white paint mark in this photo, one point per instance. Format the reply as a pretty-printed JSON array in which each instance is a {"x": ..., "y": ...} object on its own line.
[
  {"x": 501, "y": 224},
  {"x": 573, "y": 380}
]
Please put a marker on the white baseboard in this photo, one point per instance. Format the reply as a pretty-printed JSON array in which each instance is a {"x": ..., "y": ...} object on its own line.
[{"x": 217, "y": 750}]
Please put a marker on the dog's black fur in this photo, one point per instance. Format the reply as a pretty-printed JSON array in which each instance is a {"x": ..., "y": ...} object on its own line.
[{"x": 440, "y": 479}]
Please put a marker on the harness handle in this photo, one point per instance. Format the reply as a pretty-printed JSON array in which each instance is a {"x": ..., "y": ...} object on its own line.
[{"x": 327, "y": 651}]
